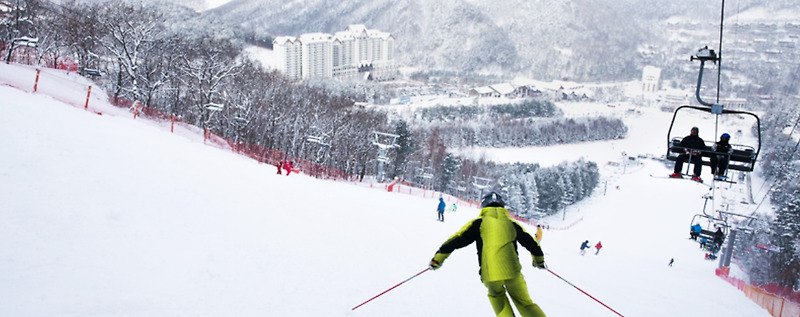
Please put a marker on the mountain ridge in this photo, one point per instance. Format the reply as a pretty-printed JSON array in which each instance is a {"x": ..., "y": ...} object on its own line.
[{"x": 540, "y": 39}]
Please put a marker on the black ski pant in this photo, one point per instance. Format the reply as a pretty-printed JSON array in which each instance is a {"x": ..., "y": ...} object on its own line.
[
  {"x": 697, "y": 160},
  {"x": 719, "y": 163}
]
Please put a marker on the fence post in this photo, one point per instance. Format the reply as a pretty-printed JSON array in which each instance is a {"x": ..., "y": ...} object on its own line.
[
  {"x": 36, "y": 84},
  {"x": 172, "y": 123},
  {"x": 89, "y": 93},
  {"x": 135, "y": 108}
]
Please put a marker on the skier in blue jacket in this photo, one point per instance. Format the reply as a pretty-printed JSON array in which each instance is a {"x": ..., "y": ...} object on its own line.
[
  {"x": 584, "y": 246},
  {"x": 695, "y": 231},
  {"x": 440, "y": 209}
]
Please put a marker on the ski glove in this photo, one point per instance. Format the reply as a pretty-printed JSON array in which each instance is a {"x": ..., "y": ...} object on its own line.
[
  {"x": 538, "y": 262},
  {"x": 438, "y": 260}
]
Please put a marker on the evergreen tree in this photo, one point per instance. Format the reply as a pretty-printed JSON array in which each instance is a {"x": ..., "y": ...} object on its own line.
[
  {"x": 785, "y": 230},
  {"x": 450, "y": 167},
  {"x": 405, "y": 146},
  {"x": 514, "y": 202}
]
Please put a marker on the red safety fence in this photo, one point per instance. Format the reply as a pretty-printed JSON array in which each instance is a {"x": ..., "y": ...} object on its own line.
[
  {"x": 779, "y": 301},
  {"x": 254, "y": 151}
]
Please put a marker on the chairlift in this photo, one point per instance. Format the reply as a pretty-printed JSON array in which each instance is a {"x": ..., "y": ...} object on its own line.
[
  {"x": 385, "y": 140},
  {"x": 240, "y": 120},
  {"x": 214, "y": 107},
  {"x": 383, "y": 159},
  {"x": 461, "y": 186},
  {"x": 92, "y": 72},
  {"x": 21, "y": 42},
  {"x": 712, "y": 223},
  {"x": 743, "y": 157},
  {"x": 319, "y": 138},
  {"x": 481, "y": 183},
  {"x": 26, "y": 42}
]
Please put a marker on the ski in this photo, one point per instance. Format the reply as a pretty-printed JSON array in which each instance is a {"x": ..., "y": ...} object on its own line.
[
  {"x": 685, "y": 178},
  {"x": 724, "y": 180}
]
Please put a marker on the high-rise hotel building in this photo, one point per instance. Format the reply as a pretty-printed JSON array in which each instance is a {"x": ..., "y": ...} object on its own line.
[{"x": 355, "y": 53}]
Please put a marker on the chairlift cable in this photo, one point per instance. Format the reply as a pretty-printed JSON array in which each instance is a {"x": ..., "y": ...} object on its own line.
[
  {"x": 788, "y": 91},
  {"x": 774, "y": 183},
  {"x": 789, "y": 159},
  {"x": 789, "y": 88},
  {"x": 719, "y": 54}
]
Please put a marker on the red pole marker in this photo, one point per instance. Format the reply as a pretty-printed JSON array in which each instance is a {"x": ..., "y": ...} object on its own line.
[
  {"x": 587, "y": 294},
  {"x": 393, "y": 287},
  {"x": 36, "y": 84},
  {"x": 89, "y": 93}
]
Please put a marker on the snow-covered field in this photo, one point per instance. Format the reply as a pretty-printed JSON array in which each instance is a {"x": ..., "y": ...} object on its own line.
[{"x": 104, "y": 215}]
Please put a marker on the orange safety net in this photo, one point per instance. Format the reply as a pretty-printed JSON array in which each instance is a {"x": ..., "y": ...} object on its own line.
[{"x": 779, "y": 301}]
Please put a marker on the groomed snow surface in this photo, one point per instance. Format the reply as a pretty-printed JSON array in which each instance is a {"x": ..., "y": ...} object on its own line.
[{"x": 104, "y": 215}]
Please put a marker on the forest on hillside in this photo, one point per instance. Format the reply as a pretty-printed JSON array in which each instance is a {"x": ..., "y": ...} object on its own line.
[
  {"x": 768, "y": 244},
  {"x": 176, "y": 61}
]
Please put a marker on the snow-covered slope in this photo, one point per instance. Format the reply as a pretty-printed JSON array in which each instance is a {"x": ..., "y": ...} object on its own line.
[{"x": 108, "y": 216}]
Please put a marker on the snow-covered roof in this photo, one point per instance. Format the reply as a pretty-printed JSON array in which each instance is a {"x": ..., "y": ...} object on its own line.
[
  {"x": 314, "y": 37},
  {"x": 379, "y": 34},
  {"x": 484, "y": 90},
  {"x": 356, "y": 30},
  {"x": 504, "y": 88},
  {"x": 520, "y": 82},
  {"x": 283, "y": 40}
]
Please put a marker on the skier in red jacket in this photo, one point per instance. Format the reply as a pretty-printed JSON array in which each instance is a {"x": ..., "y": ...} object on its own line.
[{"x": 288, "y": 166}]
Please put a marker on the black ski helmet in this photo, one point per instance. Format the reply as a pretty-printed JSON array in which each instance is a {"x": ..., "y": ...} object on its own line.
[{"x": 492, "y": 199}]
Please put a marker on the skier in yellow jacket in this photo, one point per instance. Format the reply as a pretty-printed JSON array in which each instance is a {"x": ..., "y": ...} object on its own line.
[
  {"x": 538, "y": 235},
  {"x": 496, "y": 236}
]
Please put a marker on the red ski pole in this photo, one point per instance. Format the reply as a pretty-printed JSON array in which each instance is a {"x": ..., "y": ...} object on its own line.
[
  {"x": 587, "y": 294},
  {"x": 393, "y": 287}
]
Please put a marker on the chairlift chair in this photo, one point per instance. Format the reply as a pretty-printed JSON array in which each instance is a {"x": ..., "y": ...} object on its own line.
[
  {"x": 744, "y": 156},
  {"x": 711, "y": 223},
  {"x": 318, "y": 138},
  {"x": 92, "y": 72},
  {"x": 214, "y": 106}
]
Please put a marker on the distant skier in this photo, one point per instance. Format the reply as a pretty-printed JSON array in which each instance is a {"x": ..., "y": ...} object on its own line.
[
  {"x": 440, "y": 209},
  {"x": 584, "y": 246},
  {"x": 598, "y": 246},
  {"x": 452, "y": 208},
  {"x": 280, "y": 166},
  {"x": 288, "y": 166},
  {"x": 538, "y": 235},
  {"x": 496, "y": 236},
  {"x": 672, "y": 260}
]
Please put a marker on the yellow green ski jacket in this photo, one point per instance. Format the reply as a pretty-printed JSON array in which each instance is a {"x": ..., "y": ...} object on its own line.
[{"x": 496, "y": 236}]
